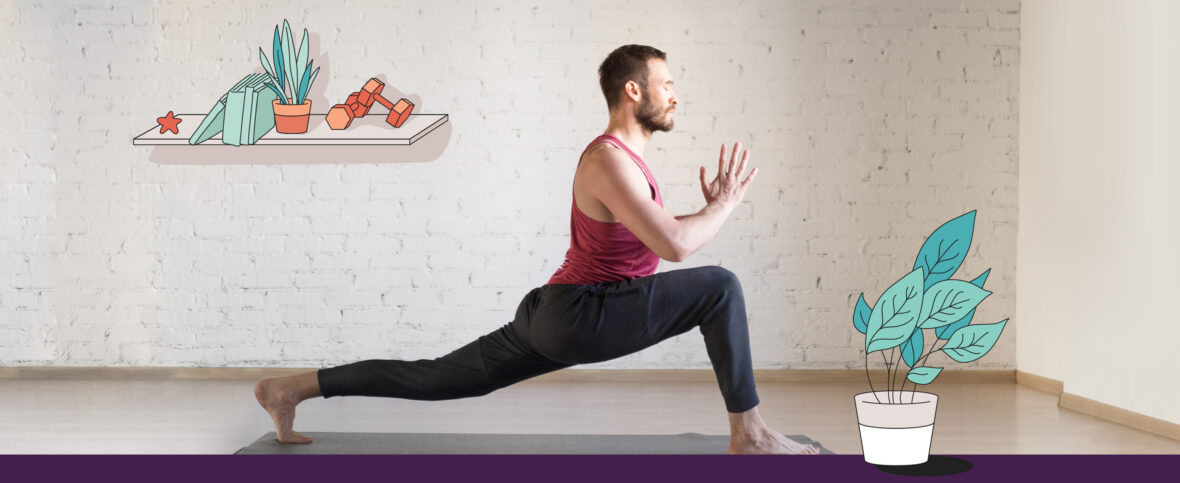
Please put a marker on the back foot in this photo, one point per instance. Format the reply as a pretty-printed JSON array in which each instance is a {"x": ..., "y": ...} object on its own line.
[{"x": 280, "y": 403}]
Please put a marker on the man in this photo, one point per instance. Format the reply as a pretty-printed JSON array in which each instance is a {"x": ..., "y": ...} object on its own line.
[{"x": 619, "y": 232}]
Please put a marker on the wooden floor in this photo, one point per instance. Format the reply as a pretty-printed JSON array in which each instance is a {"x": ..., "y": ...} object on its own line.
[{"x": 185, "y": 416}]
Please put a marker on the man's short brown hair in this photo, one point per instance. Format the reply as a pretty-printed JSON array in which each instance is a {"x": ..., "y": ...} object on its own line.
[{"x": 626, "y": 63}]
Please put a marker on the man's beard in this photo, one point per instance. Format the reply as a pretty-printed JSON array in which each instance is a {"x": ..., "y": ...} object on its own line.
[{"x": 651, "y": 118}]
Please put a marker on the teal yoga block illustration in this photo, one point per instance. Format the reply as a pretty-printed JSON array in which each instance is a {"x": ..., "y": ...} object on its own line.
[
  {"x": 249, "y": 112},
  {"x": 214, "y": 122}
]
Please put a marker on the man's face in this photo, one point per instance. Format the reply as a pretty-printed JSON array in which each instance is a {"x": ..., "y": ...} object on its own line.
[{"x": 659, "y": 101}]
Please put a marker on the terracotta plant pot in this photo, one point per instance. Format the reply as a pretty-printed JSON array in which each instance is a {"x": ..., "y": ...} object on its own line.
[
  {"x": 292, "y": 118},
  {"x": 896, "y": 434}
]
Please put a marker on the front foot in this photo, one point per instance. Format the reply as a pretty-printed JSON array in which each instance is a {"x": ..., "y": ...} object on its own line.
[{"x": 769, "y": 442}]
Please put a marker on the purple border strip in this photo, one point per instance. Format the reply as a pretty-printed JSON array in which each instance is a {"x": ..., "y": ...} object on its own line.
[{"x": 576, "y": 468}]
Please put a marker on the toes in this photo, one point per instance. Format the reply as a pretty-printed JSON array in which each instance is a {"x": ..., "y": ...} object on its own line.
[{"x": 295, "y": 439}]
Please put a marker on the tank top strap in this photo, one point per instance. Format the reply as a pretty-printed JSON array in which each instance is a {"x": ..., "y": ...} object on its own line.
[
  {"x": 618, "y": 143},
  {"x": 605, "y": 138}
]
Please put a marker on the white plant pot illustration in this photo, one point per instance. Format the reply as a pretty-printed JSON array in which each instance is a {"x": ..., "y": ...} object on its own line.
[{"x": 896, "y": 434}]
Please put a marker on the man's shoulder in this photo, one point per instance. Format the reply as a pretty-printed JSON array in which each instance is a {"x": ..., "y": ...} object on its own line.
[
  {"x": 606, "y": 157},
  {"x": 607, "y": 169}
]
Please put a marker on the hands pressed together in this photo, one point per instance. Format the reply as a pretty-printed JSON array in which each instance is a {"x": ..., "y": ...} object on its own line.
[{"x": 727, "y": 188}]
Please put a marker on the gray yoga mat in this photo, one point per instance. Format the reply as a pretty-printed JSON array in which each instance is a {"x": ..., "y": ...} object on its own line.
[{"x": 450, "y": 443}]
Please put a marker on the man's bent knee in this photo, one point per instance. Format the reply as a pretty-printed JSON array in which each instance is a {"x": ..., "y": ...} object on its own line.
[{"x": 723, "y": 279}]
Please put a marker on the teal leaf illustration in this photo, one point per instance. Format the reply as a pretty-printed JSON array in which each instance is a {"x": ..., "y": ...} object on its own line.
[
  {"x": 289, "y": 57},
  {"x": 310, "y": 81},
  {"x": 860, "y": 318},
  {"x": 948, "y": 301},
  {"x": 301, "y": 65},
  {"x": 265, "y": 62},
  {"x": 272, "y": 87},
  {"x": 945, "y": 331},
  {"x": 945, "y": 249},
  {"x": 973, "y": 341},
  {"x": 280, "y": 70},
  {"x": 923, "y": 375},
  {"x": 896, "y": 314},
  {"x": 303, "y": 84},
  {"x": 912, "y": 349}
]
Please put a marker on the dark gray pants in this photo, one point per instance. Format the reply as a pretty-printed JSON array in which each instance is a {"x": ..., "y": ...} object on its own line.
[{"x": 558, "y": 326}]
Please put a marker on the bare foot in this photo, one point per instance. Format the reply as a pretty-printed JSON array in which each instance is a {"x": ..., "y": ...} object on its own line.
[
  {"x": 280, "y": 402},
  {"x": 769, "y": 442}
]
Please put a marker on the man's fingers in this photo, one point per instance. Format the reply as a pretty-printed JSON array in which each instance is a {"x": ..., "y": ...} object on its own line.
[
  {"x": 742, "y": 167},
  {"x": 733, "y": 157},
  {"x": 750, "y": 179},
  {"x": 721, "y": 161}
]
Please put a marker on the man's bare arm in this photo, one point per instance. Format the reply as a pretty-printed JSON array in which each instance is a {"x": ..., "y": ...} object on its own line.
[{"x": 671, "y": 237}]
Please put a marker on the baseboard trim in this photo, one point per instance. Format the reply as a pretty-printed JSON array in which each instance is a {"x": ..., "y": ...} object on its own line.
[
  {"x": 1119, "y": 415},
  {"x": 1097, "y": 409},
  {"x": 148, "y": 373},
  {"x": 1051, "y": 386},
  {"x": 568, "y": 375},
  {"x": 760, "y": 375}
]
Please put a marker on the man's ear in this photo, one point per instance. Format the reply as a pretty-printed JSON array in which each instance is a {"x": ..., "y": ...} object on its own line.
[{"x": 632, "y": 90}]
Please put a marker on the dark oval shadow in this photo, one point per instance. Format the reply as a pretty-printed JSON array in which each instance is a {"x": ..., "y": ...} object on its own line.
[{"x": 934, "y": 466}]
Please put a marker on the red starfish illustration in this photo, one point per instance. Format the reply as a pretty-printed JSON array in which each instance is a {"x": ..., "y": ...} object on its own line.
[{"x": 168, "y": 123}]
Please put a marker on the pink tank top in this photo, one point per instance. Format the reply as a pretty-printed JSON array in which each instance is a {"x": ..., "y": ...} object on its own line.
[{"x": 606, "y": 252}]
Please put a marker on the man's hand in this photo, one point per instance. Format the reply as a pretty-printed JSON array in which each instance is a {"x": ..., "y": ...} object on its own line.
[{"x": 727, "y": 189}]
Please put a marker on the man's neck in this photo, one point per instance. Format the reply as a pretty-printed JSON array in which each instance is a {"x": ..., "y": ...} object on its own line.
[{"x": 630, "y": 132}]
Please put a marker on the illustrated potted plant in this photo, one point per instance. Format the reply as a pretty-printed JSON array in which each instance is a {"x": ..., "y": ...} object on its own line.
[
  {"x": 895, "y": 426},
  {"x": 291, "y": 73}
]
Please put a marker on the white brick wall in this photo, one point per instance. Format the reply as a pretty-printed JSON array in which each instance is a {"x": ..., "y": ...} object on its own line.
[{"x": 872, "y": 122}]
